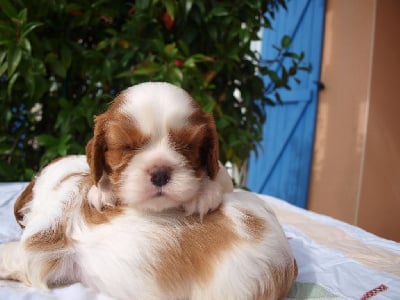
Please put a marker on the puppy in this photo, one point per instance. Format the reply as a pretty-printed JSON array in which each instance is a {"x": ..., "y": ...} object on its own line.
[
  {"x": 155, "y": 149},
  {"x": 238, "y": 251}
]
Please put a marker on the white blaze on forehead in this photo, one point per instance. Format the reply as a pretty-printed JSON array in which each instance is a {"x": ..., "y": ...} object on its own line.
[{"x": 157, "y": 106}]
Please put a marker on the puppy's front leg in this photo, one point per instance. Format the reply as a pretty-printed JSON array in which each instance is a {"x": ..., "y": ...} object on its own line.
[{"x": 12, "y": 264}]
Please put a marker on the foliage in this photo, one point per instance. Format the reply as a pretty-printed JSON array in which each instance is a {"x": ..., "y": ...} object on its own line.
[{"x": 62, "y": 62}]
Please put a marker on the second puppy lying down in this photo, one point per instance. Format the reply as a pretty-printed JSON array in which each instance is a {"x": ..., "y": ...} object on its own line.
[{"x": 238, "y": 251}]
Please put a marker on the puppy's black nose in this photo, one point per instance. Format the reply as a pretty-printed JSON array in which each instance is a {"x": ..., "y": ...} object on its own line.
[{"x": 160, "y": 176}]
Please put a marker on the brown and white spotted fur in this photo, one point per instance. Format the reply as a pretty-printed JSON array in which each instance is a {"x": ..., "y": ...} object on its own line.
[
  {"x": 149, "y": 213},
  {"x": 238, "y": 251}
]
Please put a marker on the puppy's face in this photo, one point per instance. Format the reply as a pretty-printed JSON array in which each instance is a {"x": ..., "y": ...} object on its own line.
[{"x": 154, "y": 147}]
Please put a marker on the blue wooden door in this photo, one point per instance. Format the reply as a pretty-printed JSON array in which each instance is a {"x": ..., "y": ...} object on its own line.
[{"x": 282, "y": 167}]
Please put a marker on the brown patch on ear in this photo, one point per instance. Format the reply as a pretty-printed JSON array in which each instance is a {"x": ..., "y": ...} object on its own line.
[
  {"x": 25, "y": 197},
  {"x": 188, "y": 141},
  {"x": 104, "y": 140},
  {"x": 202, "y": 137},
  {"x": 193, "y": 258},
  {"x": 89, "y": 152},
  {"x": 210, "y": 147},
  {"x": 95, "y": 149},
  {"x": 254, "y": 225}
]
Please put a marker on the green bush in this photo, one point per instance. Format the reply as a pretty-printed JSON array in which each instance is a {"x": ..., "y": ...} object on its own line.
[{"x": 62, "y": 62}]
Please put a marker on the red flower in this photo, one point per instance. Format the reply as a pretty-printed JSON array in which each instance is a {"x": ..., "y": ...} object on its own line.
[
  {"x": 168, "y": 20},
  {"x": 178, "y": 63}
]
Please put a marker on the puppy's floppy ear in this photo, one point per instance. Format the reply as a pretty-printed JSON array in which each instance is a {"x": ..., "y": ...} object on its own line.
[
  {"x": 210, "y": 147},
  {"x": 24, "y": 198},
  {"x": 95, "y": 150}
]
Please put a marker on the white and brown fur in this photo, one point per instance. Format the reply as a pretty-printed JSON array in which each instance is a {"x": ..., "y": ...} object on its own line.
[
  {"x": 156, "y": 131},
  {"x": 82, "y": 226}
]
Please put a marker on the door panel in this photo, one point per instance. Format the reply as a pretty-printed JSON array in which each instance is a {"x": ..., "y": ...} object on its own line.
[{"x": 282, "y": 167}]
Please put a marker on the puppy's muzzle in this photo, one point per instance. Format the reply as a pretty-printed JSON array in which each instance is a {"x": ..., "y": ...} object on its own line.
[{"x": 160, "y": 176}]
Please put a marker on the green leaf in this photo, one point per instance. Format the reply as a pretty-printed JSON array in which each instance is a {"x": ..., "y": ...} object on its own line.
[
  {"x": 209, "y": 106},
  {"x": 198, "y": 57},
  {"x": 147, "y": 70},
  {"x": 63, "y": 146},
  {"x": 286, "y": 41},
  {"x": 190, "y": 63},
  {"x": 274, "y": 77},
  {"x": 188, "y": 6},
  {"x": 11, "y": 83},
  {"x": 26, "y": 45},
  {"x": 176, "y": 75},
  {"x": 124, "y": 74},
  {"x": 13, "y": 58},
  {"x": 2, "y": 56},
  {"x": 170, "y": 50},
  {"x": 46, "y": 140},
  {"x": 102, "y": 45},
  {"x": 22, "y": 15},
  {"x": 8, "y": 8},
  {"x": 291, "y": 54},
  {"x": 27, "y": 28},
  {"x": 170, "y": 6},
  {"x": 219, "y": 11}
]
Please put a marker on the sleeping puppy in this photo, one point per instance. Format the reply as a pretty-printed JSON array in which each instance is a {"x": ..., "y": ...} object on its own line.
[
  {"x": 238, "y": 251},
  {"x": 155, "y": 149},
  {"x": 113, "y": 220}
]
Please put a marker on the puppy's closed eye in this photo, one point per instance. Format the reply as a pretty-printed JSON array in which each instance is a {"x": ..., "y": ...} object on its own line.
[
  {"x": 125, "y": 137},
  {"x": 187, "y": 138}
]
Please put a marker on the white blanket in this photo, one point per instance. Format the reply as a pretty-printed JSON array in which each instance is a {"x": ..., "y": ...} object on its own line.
[{"x": 336, "y": 260}]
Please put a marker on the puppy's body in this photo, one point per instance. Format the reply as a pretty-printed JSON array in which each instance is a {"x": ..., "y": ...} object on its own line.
[{"x": 236, "y": 252}]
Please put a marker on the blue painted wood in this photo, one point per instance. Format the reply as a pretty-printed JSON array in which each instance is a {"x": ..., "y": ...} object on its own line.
[{"x": 282, "y": 167}]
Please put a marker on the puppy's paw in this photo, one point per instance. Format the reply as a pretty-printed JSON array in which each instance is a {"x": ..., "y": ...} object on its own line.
[
  {"x": 99, "y": 198},
  {"x": 203, "y": 204},
  {"x": 211, "y": 194}
]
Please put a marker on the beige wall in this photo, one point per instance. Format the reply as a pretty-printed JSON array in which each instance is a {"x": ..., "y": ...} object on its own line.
[
  {"x": 341, "y": 118},
  {"x": 356, "y": 152},
  {"x": 379, "y": 210}
]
